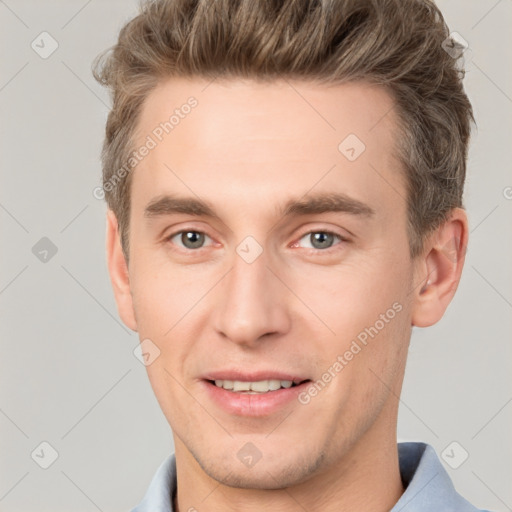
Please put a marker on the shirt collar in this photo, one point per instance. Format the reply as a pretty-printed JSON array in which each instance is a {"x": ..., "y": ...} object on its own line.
[{"x": 427, "y": 484}]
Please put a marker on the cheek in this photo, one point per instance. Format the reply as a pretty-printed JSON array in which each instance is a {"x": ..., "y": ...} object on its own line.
[
  {"x": 365, "y": 308},
  {"x": 353, "y": 298},
  {"x": 164, "y": 296}
]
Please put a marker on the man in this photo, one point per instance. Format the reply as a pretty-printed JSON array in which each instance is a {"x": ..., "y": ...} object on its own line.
[{"x": 284, "y": 182}]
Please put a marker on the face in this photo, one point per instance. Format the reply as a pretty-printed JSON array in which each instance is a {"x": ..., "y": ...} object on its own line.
[{"x": 268, "y": 249}]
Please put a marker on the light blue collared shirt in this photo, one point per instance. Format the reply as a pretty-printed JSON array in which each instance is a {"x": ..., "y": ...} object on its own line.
[{"x": 428, "y": 486}]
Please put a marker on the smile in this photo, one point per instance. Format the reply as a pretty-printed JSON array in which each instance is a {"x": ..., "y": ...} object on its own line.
[
  {"x": 256, "y": 395},
  {"x": 261, "y": 386}
]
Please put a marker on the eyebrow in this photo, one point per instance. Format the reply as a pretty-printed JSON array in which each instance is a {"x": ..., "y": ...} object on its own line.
[
  {"x": 314, "y": 204},
  {"x": 167, "y": 205},
  {"x": 330, "y": 202}
]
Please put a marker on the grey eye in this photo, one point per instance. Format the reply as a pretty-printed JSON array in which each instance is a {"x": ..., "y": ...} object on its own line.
[
  {"x": 319, "y": 239},
  {"x": 190, "y": 239}
]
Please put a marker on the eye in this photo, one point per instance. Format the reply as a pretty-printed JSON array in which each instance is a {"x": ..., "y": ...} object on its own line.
[
  {"x": 189, "y": 239},
  {"x": 319, "y": 240}
]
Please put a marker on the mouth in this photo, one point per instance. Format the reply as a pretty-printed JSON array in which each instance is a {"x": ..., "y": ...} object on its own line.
[
  {"x": 260, "y": 394},
  {"x": 255, "y": 387}
]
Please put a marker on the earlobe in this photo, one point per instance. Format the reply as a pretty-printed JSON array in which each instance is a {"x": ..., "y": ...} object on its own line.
[
  {"x": 439, "y": 269},
  {"x": 118, "y": 271}
]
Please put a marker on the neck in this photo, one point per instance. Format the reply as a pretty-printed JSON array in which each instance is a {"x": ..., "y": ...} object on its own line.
[{"x": 367, "y": 477}]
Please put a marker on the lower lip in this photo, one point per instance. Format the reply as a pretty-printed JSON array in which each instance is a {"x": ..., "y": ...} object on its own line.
[{"x": 253, "y": 404}]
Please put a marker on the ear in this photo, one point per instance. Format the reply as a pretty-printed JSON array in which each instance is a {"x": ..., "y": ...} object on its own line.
[
  {"x": 118, "y": 271},
  {"x": 439, "y": 268}
]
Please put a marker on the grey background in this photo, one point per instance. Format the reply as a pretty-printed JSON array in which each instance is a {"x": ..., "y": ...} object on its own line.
[{"x": 68, "y": 375}]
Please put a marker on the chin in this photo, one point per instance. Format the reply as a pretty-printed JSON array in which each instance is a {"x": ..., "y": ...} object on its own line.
[{"x": 269, "y": 472}]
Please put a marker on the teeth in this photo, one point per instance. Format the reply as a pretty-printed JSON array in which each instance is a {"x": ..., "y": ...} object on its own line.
[
  {"x": 261, "y": 386},
  {"x": 238, "y": 385},
  {"x": 273, "y": 385},
  {"x": 226, "y": 384}
]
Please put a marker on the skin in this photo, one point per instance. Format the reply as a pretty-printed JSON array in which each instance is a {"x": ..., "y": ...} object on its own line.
[{"x": 246, "y": 149}]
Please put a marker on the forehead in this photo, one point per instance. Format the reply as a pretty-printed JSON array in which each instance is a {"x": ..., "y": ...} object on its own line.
[
  {"x": 263, "y": 109},
  {"x": 240, "y": 135}
]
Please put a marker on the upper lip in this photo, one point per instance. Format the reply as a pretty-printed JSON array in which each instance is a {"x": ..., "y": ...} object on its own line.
[{"x": 253, "y": 376}]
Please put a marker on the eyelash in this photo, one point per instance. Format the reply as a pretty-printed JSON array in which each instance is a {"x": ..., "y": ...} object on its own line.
[{"x": 341, "y": 239}]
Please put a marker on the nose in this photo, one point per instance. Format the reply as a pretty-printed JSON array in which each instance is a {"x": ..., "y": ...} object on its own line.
[{"x": 251, "y": 303}]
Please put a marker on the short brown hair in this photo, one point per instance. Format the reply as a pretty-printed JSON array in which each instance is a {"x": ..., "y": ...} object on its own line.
[{"x": 394, "y": 43}]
